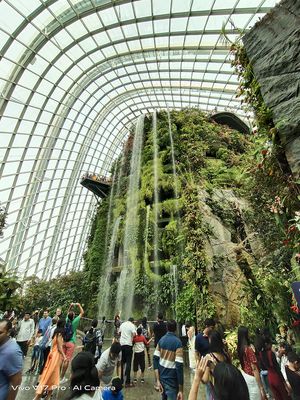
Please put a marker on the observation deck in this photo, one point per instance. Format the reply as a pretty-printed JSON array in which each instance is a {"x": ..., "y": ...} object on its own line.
[
  {"x": 231, "y": 120},
  {"x": 97, "y": 184}
]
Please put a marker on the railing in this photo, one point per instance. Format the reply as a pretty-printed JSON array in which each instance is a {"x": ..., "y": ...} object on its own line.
[
  {"x": 98, "y": 178},
  {"x": 85, "y": 323}
]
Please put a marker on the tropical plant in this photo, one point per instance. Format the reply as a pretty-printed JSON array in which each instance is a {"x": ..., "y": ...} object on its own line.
[
  {"x": 9, "y": 297},
  {"x": 3, "y": 216}
]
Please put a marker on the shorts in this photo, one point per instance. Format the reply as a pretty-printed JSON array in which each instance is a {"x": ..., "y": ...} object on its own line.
[
  {"x": 68, "y": 349},
  {"x": 139, "y": 361}
]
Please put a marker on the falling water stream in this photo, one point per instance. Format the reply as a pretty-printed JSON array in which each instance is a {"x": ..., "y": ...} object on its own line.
[
  {"x": 173, "y": 159},
  {"x": 109, "y": 215},
  {"x": 174, "y": 267},
  {"x": 146, "y": 234},
  {"x": 104, "y": 286},
  {"x": 120, "y": 173},
  {"x": 125, "y": 291},
  {"x": 175, "y": 293},
  {"x": 128, "y": 257},
  {"x": 105, "y": 276},
  {"x": 155, "y": 207}
]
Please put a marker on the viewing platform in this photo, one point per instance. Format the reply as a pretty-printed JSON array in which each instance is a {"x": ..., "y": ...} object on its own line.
[
  {"x": 98, "y": 184},
  {"x": 231, "y": 120}
]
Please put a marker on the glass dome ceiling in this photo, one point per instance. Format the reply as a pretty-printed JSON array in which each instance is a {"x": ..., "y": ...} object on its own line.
[{"x": 74, "y": 75}]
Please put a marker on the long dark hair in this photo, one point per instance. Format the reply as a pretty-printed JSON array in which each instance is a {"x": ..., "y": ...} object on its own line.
[
  {"x": 84, "y": 377},
  {"x": 265, "y": 362},
  {"x": 229, "y": 383},
  {"x": 258, "y": 341},
  {"x": 263, "y": 354},
  {"x": 243, "y": 342},
  {"x": 216, "y": 345},
  {"x": 60, "y": 327},
  {"x": 144, "y": 322}
]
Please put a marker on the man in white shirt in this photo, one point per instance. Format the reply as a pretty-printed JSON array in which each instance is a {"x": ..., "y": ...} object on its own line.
[
  {"x": 25, "y": 333},
  {"x": 127, "y": 331},
  {"x": 109, "y": 360}
]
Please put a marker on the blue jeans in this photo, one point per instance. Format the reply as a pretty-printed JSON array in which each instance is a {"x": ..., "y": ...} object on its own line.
[
  {"x": 169, "y": 393},
  {"x": 265, "y": 382},
  {"x": 208, "y": 393}
]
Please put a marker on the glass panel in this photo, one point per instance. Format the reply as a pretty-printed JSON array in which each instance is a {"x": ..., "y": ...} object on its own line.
[
  {"x": 92, "y": 22},
  {"x": 108, "y": 17},
  {"x": 198, "y": 5},
  {"x": 142, "y": 8},
  {"x": 77, "y": 29},
  {"x": 161, "y": 7},
  {"x": 125, "y": 12},
  {"x": 9, "y": 14},
  {"x": 178, "y": 24}
]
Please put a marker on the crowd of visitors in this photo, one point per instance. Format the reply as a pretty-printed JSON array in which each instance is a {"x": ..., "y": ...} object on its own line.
[
  {"x": 53, "y": 342},
  {"x": 266, "y": 370},
  {"x": 97, "y": 177}
]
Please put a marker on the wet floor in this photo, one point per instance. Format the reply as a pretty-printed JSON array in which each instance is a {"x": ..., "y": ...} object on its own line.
[{"x": 142, "y": 391}]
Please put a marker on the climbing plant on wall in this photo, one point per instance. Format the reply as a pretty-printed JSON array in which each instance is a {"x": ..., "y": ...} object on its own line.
[{"x": 274, "y": 198}]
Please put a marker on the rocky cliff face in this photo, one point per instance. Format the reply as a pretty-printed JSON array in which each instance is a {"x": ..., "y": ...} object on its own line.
[
  {"x": 273, "y": 47},
  {"x": 224, "y": 212}
]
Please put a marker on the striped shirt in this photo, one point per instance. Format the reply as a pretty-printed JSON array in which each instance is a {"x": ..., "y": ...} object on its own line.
[{"x": 168, "y": 359}]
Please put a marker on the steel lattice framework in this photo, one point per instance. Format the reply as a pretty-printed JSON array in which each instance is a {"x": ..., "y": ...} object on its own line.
[{"x": 74, "y": 76}]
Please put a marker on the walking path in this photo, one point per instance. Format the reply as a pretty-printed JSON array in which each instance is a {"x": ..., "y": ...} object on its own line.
[{"x": 142, "y": 391}]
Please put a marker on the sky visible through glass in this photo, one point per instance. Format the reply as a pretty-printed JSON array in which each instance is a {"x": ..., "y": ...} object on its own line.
[{"x": 74, "y": 76}]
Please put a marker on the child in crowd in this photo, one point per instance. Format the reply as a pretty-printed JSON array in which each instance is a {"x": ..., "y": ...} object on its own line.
[
  {"x": 114, "y": 392},
  {"x": 36, "y": 351},
  {"x": 140, "y": 343}
]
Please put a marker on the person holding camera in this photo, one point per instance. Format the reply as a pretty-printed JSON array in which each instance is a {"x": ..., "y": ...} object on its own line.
[{"x": 69, "y": 337}]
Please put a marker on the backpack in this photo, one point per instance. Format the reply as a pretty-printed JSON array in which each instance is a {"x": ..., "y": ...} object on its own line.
[
  {"x": 90, "y": 341},
  {"x": 99, "y": 335},
  {"x": 68, "y": 333}
]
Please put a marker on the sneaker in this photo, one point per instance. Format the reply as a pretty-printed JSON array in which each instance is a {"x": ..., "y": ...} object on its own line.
[
  {"x": 150, "y": 367},
  {"x": 127, "y": 385},
  {"x": 135, "y": 381},
  {"x": 142, "y": 380},
  {"x": 156, "y": 388}
]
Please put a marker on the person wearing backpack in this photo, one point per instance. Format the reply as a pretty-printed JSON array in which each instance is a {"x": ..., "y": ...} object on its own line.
[
  {"x": 69, "y": 337},
  {"x": 89, "y": 341},
  {"x": 92, "y": 341}
]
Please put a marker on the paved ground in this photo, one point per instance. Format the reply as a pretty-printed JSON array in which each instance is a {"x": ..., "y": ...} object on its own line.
[{"x": 142, "y": 391}]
